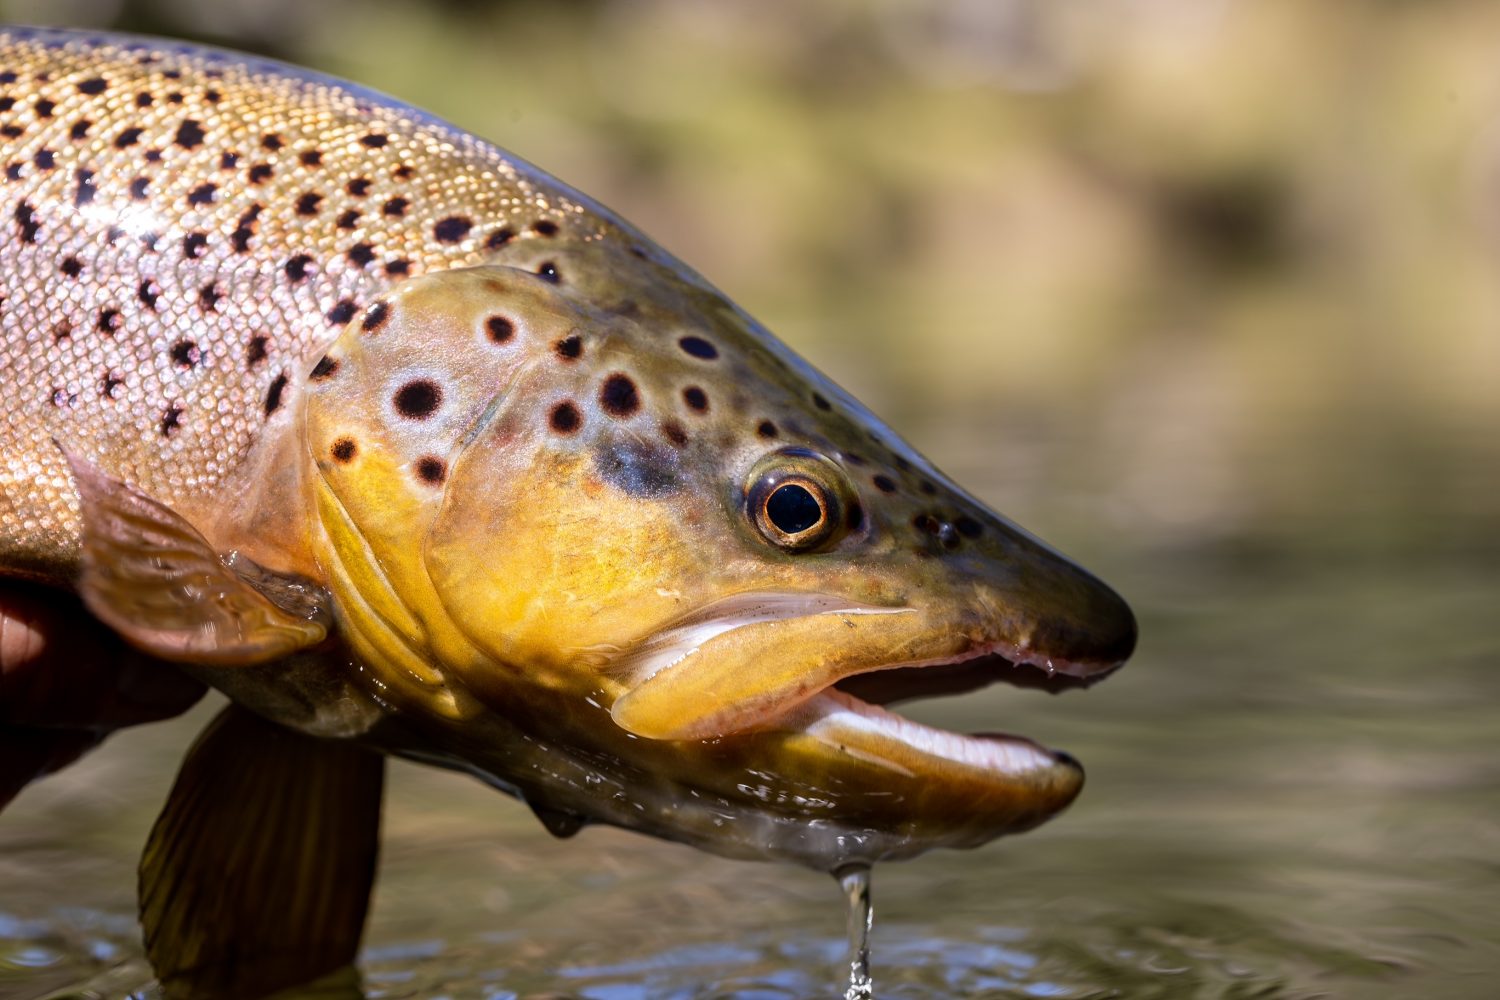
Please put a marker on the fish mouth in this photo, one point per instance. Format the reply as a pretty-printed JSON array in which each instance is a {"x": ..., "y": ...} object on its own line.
[
  {"x": 856, "y": 709},
  {"x": 827, "y": 669}
]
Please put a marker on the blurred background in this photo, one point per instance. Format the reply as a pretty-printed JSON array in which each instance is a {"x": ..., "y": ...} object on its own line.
[{"x": 1204, "y": 291}]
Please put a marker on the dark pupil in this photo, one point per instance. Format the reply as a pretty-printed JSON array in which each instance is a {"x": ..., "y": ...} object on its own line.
[{"x": 792, "y": 509}]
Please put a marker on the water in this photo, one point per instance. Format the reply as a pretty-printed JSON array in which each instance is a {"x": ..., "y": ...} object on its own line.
[
  {"x": 855, "y": 881},
  {"x": 1293, "y": 793}
]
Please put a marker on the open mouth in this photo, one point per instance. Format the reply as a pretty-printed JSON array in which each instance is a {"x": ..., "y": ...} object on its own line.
[
  {"x": 858, "y": 705},
  {"x": 818, "y": 665}
]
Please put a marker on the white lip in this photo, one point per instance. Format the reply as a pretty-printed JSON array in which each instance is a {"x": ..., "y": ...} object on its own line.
[{"x": 833, "y": 717}]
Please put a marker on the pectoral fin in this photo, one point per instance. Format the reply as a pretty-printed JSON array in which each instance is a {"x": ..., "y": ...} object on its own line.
[
  {"x": 152, "y": 577},
  {"x": 257, "y": 874}
]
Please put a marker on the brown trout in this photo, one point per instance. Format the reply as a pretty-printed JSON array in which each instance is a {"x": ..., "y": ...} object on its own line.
[{"x": 406, "y": 446}]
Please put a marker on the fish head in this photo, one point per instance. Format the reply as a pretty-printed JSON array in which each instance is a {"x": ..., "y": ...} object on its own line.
[{"x": 581, "y": 478}]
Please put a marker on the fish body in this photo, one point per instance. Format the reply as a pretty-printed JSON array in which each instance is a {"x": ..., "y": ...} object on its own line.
[{"x": 394, "y": 438}]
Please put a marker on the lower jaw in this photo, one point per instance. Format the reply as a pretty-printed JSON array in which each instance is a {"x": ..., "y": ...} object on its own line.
[{"x": 884, "y": 738}]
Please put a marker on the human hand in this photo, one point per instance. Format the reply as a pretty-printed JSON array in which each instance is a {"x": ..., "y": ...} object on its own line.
[{"x": 67, "y": 682}]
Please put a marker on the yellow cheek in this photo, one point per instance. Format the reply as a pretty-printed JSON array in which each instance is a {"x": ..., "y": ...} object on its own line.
[{"x": 544, "y": 571}]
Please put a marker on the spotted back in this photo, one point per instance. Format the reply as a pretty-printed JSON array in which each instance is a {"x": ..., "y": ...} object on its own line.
[{"x": 187, "y": 230}]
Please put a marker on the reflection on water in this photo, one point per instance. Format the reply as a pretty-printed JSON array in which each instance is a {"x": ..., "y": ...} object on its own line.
[{"x": 1292, "y": 794}]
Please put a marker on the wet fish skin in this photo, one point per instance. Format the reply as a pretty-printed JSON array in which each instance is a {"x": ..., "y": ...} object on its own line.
[{"x": 523, "y": 453}]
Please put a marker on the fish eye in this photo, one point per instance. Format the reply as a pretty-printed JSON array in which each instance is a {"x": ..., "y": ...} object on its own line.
[{"x": 796, "y": 499}]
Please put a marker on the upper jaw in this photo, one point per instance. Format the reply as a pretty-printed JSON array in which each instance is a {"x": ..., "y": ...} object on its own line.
[{"x": 746, "y": 662}]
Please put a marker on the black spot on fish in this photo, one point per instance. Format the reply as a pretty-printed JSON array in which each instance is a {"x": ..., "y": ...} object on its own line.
[
  {"x": 80, "y": 129},
  {"x": 544, "y": 227},
  {"x": 72, "y": 267},
  {"x": 358, "y": 187},
  {"x": 272, "y": 141},
  {"x": 259, "y": 173},
  {"x": 143, "y": 100},
  {"x": 343, "y": 450},
  {"x": 698, "y": 348},
  {"x": 968, "y": 527},
  {"x": 209, "y": 296},
  {"x": 203, "y": 194},
  {"x": 257, "y": 350},
  {"x": 361, "y": 254},
  {"x": 85, "y": 191},
  {"x": 45, "y": 108},
  {"x": 637, "y": 469},
  {"x": 307, "y": 203},
  {"x": 674, "y": 433},
  {"x": 13, "y": 171},
  {"x": 395, "y": 207},
  {"x": 418, "y": 399},
  {"x": 403, "y": 172},
  {"x": 189, "y": 134},
  {"x": 109, "y": 321},
  {"x": 883, "y": 483},
  {"x": 324, "y": 369},
  {"x": 695, "y": 398},
  {"x": 171, "y": 420},
  {"x": 185, "y": 354},
  {"x": 12, "y": 131},
  {"x": 618, "y": 396},
  {"x": 128, "y": 138},
  {"x": 374, "y": 140},
  {"x": 548, "y": 272},
  {"x": 565, "y": 418},
  {"x": 498, "y": 239},
  {"x": 855, "y": 517},
  {"x": 296, "y": 267},
  {"x": 348, "y": 220},
  {"x": 273, "y": 394},
  {"x": 212, "y": 96},
  {"x": 93, "y": 85},
  {"x": 109, "y": 385},
  {"x": 398, "y": 267},
  {"x": 343, "y": 312},
  {"x": 45, "y": 159},
  {"x": 766, "y": 429},
  {"x": 499, "y": 328},
  {"x": 452, "y": 229},
  {"x": 431, "y": 469},
  {"x": 569, "y": 348},
  {"x": 375, "y": 317},
  {"x": 310, "y": 158},
  {"x": 138, "y": 188},
  {"x": 820, "y": 402},
  {"x": 228, "y": 161},
  {"x": 194, "y": 244},
  {"x": 927, "y": 487}
]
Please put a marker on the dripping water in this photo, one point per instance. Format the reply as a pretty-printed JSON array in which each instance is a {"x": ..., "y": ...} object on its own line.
[{"x": 854, "y": 879}]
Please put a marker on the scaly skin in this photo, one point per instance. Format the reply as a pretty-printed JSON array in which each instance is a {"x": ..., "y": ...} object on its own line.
[{"x": 519, "y": 458}]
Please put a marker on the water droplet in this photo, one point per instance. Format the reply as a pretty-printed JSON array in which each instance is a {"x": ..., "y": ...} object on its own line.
[{"x": 854, "y": 879}]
